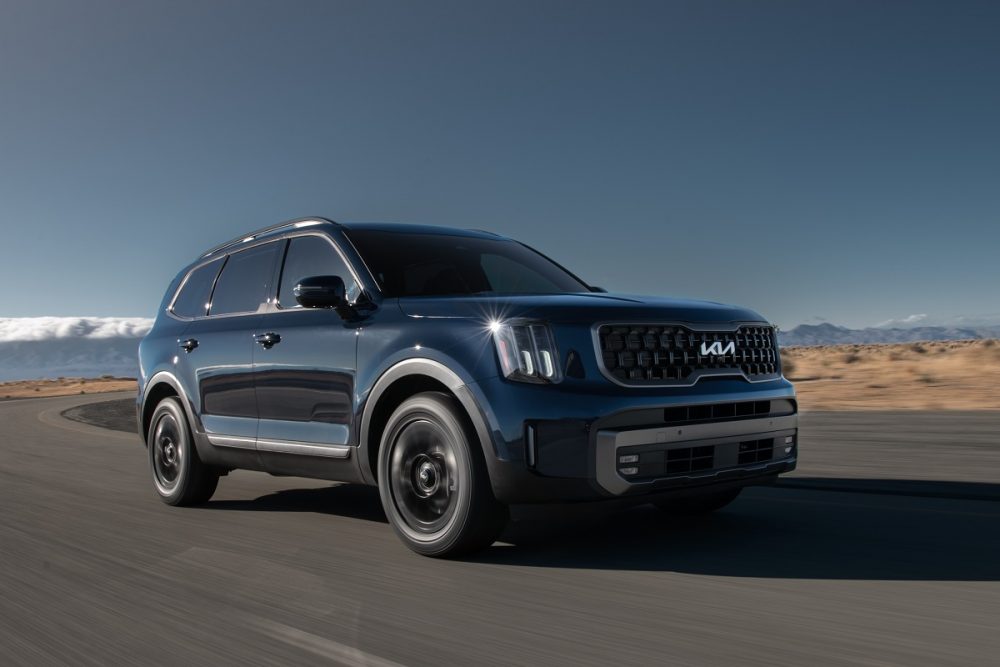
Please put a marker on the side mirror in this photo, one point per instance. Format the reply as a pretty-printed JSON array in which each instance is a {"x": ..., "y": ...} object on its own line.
[
  {"x": 595, "y": 288},
  {"x": 320, "y": 292}
]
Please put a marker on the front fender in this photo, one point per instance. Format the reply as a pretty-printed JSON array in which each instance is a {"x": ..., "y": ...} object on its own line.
[{"x": 440, "y": 368}]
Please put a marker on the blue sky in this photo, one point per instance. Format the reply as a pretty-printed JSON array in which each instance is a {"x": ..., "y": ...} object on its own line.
[{"x": 811, "y": 160}]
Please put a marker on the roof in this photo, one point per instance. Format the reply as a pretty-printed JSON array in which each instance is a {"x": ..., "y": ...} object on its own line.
[
  {"x": 316, "y": 221},
  {"x": 271, "y": 231},
  {"x": 405, "y": 228}
]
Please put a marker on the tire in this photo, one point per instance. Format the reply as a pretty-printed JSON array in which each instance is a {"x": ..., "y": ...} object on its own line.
[
  {"x": 179, "y": 476},
  {"x": 433, "y": 481},
  {"x": 704, "y": 503}
]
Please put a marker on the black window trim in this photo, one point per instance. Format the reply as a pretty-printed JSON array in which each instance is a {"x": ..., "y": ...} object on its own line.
[
  {"x": 211, "y": 296},
  {"x": 272, "y": 291}
]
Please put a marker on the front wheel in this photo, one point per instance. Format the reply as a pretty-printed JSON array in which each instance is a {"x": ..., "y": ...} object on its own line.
[
  {"x": 703, "y": 503},
  {"x": 179, "y": 476},
  {"x": 433, "y": 481}
]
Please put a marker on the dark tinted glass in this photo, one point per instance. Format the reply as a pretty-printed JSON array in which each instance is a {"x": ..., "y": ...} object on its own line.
[
  {"x": 439, "y": 264},
  {"x": 244, "y": 279},
  {"x": 192, "y": 301},
  {"x": 311, "y": 256}
]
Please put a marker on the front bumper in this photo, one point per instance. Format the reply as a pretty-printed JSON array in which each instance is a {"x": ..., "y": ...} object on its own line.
[
  {"x": 553, "y": 444},
  {"x": 642, "y": 460}
]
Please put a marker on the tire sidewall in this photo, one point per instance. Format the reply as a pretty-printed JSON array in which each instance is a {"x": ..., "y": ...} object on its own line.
[
  {"x": 172, "y": 407},
  {"x": 440, "y": 411}
]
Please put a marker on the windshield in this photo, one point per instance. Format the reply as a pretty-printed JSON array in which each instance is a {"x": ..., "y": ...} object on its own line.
[{"x": 407, "y": 264}]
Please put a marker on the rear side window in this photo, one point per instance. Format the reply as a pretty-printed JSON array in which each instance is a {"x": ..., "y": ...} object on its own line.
[
  {"x": 312, "y": 256},
  {"x": 242, "y": 285},
  {"x": 192, "y": 300}
]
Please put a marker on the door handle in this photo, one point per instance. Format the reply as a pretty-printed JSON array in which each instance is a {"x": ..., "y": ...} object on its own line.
[
  {"x": 268, "y": 340},
  {"x": 189, "y": 344}
]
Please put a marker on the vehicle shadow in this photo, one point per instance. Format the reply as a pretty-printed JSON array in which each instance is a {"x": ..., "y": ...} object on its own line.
[
  {"x": 769, "y": 532},
  {"x": 348, "y": 500},
  {"x": 779, "y": 533}
]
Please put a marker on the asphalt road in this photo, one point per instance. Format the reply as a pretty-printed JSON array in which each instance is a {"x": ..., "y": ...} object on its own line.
[{"x": 95, "y": 570}]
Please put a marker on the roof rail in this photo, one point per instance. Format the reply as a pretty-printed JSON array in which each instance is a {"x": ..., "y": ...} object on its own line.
[{"x": 272, "y": 229}]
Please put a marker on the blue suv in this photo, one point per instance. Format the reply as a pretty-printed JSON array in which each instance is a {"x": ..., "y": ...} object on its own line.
[{"x": 458, "y": 371}]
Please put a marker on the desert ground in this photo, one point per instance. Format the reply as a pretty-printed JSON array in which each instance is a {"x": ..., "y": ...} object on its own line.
[
  {"x": 64, "y": 387},
  {"x": 947, "y": 375}
]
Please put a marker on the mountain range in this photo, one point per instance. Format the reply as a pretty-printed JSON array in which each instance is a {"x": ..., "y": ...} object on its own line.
[{"x": 831, "y": 334}]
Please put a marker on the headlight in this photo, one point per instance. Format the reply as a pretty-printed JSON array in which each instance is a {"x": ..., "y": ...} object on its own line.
[{"x": 527, "y": 351}]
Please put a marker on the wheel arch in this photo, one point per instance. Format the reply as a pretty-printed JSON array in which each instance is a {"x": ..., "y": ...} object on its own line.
[
  {"x": 161, "y": 385},
  {"x": 395, "y": 385}
]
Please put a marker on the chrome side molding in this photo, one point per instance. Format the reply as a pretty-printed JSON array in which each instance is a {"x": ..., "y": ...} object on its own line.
[{"x": 281, "y": 446}]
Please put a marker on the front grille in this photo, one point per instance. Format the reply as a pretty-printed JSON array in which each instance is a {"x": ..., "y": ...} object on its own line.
[
  {"x": 636, "y": 463},
  {"x": 690, "y": 459},
  {"x": 687, "y": 414},
  {"x": 643, "y": 354},
  {"x": 755, "y": 451},
  {"x": 640, "y": 463}
]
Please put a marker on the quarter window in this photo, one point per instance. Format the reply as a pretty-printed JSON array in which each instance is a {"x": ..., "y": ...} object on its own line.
[
  {"x": 312, "y": 256},
  {"x": 242, "y": 286},
  {"x": 192, "y": 300}
]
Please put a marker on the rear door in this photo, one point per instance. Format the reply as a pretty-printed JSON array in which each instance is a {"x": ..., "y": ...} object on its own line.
[
  {"x": 304, "y": 364},
  {"x": 221, "y": 346}
]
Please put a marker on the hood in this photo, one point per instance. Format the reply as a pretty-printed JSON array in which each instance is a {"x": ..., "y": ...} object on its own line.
[{"x": 584, "y": 308}]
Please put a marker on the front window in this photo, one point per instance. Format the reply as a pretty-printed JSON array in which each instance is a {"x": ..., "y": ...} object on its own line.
[
  {"x": 406, "y": 264},
  {"x": 312, "y": 256}
]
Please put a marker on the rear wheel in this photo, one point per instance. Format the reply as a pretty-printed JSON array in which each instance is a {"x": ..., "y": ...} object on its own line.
[
  {"x": 179, "y": 476},
  {"x": 704, "y": 503},
  {"x": 433, "y": 481}
]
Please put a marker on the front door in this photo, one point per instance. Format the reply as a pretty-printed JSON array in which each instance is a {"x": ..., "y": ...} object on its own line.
[{"x": 304, "y": 367}]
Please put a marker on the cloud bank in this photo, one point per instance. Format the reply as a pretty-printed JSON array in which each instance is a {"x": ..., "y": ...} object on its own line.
[{"x": 14, "y": 329}]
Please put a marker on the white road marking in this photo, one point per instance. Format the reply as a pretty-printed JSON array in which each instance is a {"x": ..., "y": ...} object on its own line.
[{"x": 321, "y": 646}]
